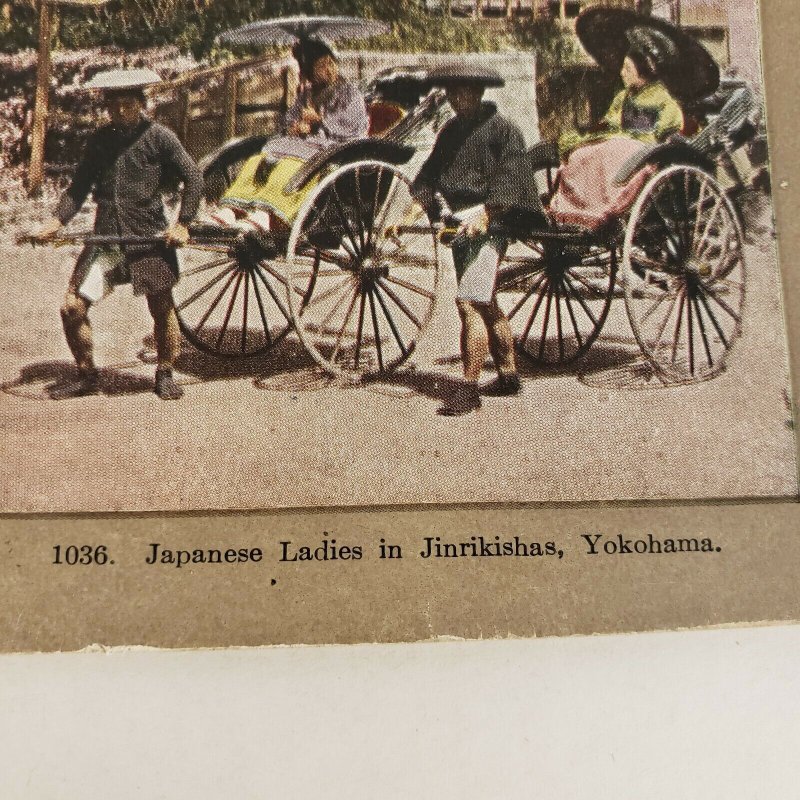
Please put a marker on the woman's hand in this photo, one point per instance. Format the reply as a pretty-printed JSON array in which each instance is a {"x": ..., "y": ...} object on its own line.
[
  {"x": 311, "y": 117},
  {"x": 299, "y": 129}
]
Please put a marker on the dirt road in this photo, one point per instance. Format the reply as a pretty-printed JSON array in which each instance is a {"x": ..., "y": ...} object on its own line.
[{"x": 586, "y": 435}]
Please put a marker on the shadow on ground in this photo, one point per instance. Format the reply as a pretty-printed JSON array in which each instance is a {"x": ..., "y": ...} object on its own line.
[
  {"x": 288, "y": 367},
  {"x": 38, "y": 381}
]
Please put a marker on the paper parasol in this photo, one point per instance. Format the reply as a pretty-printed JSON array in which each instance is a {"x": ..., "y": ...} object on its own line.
[
  {"x": 688, "y": 70},
  {"x": 290, "y": 30}
]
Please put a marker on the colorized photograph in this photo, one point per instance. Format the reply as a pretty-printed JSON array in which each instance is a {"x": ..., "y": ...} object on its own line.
[{"x": 387, "y": 254}]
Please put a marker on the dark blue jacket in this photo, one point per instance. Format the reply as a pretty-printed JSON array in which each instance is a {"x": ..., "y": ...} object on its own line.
[{"x": 127, "y": 172}]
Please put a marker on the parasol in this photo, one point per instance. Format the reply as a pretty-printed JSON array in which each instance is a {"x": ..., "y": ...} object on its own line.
[
  {"x": 687, "y": 69},
  {"x": 291, "y": 30}
]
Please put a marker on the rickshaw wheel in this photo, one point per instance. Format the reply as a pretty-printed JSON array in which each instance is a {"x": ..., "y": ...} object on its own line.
[
  {"x": 362, "y": 278},
  {"x": 684, "y": 274},
  {"x": 229, "y": 302},
  {"x": 556, "y": 298}
]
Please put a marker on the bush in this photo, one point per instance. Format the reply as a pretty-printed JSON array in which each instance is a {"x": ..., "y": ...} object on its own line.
[
  {"x": 553, "y": 44},
  {"x": 192, "y": 25}
]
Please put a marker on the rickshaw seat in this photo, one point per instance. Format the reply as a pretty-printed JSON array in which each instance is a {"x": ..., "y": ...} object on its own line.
[{"x": 383, "y": 116}]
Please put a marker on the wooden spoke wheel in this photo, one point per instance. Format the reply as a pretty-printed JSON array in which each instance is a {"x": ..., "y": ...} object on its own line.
[
  {"x": 556, "y": 297},
  {"x": 684, "y": 274},
  {"x": 230, "y": 302},
  {"x": 362, "y": 277}
]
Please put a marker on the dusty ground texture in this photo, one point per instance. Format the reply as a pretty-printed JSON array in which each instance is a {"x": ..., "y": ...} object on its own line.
[{"x": 589, "y": 434}]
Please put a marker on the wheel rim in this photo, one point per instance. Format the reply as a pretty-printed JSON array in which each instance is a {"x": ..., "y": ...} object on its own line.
[
  {"x": 360, "y": 299},
  {"x": 229, "y": 303},
  {"x": 684, "y": 274},
  {"x": 557, "y": 299}
]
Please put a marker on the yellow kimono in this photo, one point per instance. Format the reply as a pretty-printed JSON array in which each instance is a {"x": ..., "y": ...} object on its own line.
[{"x": 649, "y": 115}]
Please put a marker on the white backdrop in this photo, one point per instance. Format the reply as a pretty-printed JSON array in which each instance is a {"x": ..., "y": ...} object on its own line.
[{"x": 676, "y": 715}]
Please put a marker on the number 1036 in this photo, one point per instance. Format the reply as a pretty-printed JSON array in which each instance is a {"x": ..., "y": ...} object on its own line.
[{"x": 81, "y": 554}]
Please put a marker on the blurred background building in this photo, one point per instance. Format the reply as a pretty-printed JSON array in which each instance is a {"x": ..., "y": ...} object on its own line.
[{"x": 728, "y": 28}]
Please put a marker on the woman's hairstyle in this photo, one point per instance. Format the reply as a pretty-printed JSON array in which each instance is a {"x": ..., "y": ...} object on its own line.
[
  {"x": 307, "y": 51},
  {"x": 649, "y": 50}
]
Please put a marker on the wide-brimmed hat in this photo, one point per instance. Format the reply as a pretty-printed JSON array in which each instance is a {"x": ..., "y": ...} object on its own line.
[
  {"x": 463, "y": 73},
  {"x": 122, "y": 80},
  {"x": 684, "y": 66}
]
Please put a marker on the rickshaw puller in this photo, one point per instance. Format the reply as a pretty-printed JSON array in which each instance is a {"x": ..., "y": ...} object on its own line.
[
  {"x": 125, "y": 165},
  {"x": 468, "y": 167}
]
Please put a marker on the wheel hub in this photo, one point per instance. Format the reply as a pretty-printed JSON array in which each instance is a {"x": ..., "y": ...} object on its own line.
[
  {"x": 698, "y": 267},
  {"x": 370, "y": 269}
]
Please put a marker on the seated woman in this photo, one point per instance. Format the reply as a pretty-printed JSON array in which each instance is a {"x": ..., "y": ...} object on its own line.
[
  {"x": 644, "y": 112},
  {"x": 327, "y": 111}
]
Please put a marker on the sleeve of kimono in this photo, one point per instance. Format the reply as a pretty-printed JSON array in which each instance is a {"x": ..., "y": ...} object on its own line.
[
  {"x": 174, "y": 155},
  {"x": 426, "y": 184},
  {"x": 347, "y": 119},
  {"x": 507, "y": 186},
  {"x": 293, "y": 113},
  {"x": 670, "y": 118},
  {"x": 613, "y": 117},
  {"x": 82, "y": 182},
  {"x": 612, "y": 121}
]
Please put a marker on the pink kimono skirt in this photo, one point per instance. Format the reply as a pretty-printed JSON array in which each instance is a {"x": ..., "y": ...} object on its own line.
[{"x": 587, "y": 194}]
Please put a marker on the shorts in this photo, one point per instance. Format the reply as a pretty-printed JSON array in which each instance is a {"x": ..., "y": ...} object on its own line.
[
  {"x": 99, "y": 270},
  {"x": 476, "y": 261}
]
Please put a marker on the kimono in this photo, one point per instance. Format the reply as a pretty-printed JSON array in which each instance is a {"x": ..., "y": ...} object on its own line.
[
  {"x": 261, "y": 182},
  {"x": 587, "y": 194},
  {"x": 343, "y": 112},
  {"x": 126, "y": 173},
  {"x": 468, "y": 166},
  {"x": 649, "y": 115},
  {"x": 468, "y": 161}
]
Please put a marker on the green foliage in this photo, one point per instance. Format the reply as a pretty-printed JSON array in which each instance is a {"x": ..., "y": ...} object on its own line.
[
  {"x": 192, "y": 25},
  {"x": 19, "y": 32},
  {"x": 423, "y": 33},
  {"x": 553, "y": 44}
]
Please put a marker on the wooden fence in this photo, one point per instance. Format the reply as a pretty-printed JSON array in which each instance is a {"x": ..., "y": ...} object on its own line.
[{"x": 206, "y": 107}]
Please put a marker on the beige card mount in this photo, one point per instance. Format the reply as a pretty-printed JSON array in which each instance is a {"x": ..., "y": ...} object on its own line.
[{"x": 650, "y": 483}]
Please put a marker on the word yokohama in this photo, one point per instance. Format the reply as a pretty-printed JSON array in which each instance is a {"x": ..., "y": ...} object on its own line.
[{"x": 618, "y": 545}]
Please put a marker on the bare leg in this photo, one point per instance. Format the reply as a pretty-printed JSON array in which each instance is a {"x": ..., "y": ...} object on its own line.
[
  {"x": 474, "y": 341},
  {"x": 474, "y": 349},
  {"x": 75, "y": 317},
  {"x": 166, "y": 332},
  {"x": 168, "y": 343},
  {"x": 501, "y": 340},
  {"x": 501, "y": 346},
  {"x": 78, "y": 331}
]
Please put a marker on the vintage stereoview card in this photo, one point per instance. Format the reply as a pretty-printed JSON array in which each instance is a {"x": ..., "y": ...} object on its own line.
[{"x": 456, "y": 318}]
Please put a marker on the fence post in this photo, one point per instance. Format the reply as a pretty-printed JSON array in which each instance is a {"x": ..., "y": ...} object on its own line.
[
  {"x": 231, "y": 90},
  {"x": 36, "y": 166}
]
